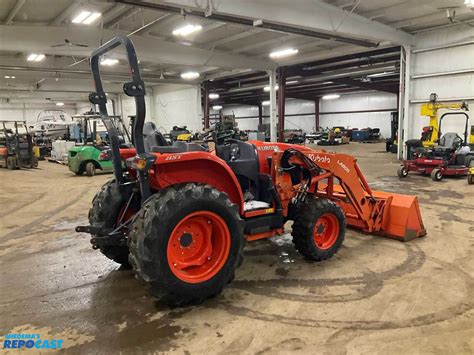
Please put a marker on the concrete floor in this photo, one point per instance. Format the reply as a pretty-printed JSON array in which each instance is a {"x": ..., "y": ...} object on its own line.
[{"x": 375, "y": 296}]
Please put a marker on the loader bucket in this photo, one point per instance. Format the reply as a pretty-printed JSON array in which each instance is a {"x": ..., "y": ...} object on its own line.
[{"x": 402, "y": 217}]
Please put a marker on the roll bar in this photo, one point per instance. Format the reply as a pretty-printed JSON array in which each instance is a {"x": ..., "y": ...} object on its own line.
[
  {"x": 466, "y": 128},
  {"x": 134, "y": 88}
]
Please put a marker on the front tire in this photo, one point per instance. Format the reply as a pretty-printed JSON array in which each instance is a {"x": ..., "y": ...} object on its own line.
[
  {"x": 470, "y": 179},
  {"x": 90, "y": 169},
  {"x": 402, "y": 172},
  {"x": 11, "y": 163},
  {"x": 107, "y": 207},
  {"x": 318, "y": 229},
  {"x": 194, "y": 254},
  {"x": 436, "y": 175}
]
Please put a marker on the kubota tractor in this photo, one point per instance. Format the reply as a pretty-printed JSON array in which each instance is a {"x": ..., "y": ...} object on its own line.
[{"x": 181, "y": 214}]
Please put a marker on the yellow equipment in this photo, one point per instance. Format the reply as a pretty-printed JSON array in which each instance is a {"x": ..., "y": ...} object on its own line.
[
  {"x": 430, "y": 109},
  {"x": 470, "y": 172},
  {"x": 185, "y": 137}
]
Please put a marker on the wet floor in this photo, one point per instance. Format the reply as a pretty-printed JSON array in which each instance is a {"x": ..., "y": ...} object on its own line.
[{"x": 375, "y": 296}]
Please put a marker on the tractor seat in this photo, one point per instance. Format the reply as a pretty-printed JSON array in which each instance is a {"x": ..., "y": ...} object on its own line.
[
  {"x": 152, "y": 137},
  {"x": 178, "y": 147}
]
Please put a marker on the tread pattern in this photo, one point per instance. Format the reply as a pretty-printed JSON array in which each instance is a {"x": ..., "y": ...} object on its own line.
[
  {"x": 149, "y": 236},
  {"x": 303, "y": 225},
  {"x": 105, "y": 207}
]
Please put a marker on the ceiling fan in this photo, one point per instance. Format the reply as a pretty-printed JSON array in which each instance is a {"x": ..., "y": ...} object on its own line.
[{"x": 69, "y": 43}]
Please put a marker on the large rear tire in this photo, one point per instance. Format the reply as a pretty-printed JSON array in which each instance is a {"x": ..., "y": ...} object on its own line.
[
  {"x": 318, "y": 229},
  {"x": 107, "y": 207},
  {"x": 186, "y": 243}
]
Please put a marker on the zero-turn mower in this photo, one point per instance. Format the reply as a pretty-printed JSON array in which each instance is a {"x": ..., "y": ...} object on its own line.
[
  {"x": 449, "y": 158},
  {"x": 181, "y": 214}
]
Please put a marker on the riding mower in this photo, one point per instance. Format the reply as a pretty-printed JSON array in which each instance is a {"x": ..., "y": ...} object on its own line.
[
  {"x": 180, "y": 214},
  {"x": 430, "y": 134},
  {"x": 16, "y": 146},
  {"x": 449, "y": 158}
]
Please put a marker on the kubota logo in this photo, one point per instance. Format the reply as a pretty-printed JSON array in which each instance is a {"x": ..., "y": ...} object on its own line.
[
  {"x": 343, "y": 166},
  {"x": 319, "y": 158}
]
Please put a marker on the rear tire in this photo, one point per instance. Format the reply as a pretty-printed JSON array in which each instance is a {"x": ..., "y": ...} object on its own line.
[
  {"x": 159, "y": 251},
  {"x": 107, "y": 205},
  {"x": 470, "y": 179},
  {"x": 436, "y": 175},
  {"x": 11, "y": 163},
  {"x": 318, "y": 229},
  {"x": 402, "y": 172},
  {"x": 90, "y": 169}
]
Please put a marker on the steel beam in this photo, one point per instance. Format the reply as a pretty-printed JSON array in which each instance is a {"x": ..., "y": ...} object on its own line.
[
  {"x": 313, "y": 16},
  {"x": 281, "y": 102},
  {"x": 273, "y": 106},
  {"x": 19, "y": 4},
  {"x": 206, "y": 104}
]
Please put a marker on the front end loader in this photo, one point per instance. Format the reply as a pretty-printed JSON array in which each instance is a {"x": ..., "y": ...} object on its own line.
[{"x": 181, "y": 214}]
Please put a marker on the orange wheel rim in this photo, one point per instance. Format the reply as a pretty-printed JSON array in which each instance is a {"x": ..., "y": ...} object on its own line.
[
  {"x": 326, "y": 231},
  {"x": 198, "y": 247}
]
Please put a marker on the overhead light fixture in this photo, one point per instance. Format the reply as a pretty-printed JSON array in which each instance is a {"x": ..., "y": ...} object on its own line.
[
  {"x": 35, "y": 57},
  {"x": 283, "y": 53},
  {"x": 109, "y": 61},
  {"x": 331, "y": 97},
  {"x": 59, "y": 103},
  {"x": 9, "y": 77},
  {"x": 469, "y": 3},
  {"x": 291, "y": 82},
  {"x": 217, "y": 107},
  {"x": 377, "y": 75},
  {"x": 265, "y": 103},
  {"x": 267, "y": 88},
  {"x": 190, "y": 75},
  {"x": 213, "y": 96},
  {"x": 187, "y": 30},
  {"x": 86, "y": 17}
]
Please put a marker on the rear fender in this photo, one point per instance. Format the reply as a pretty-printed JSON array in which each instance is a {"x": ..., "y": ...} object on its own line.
[{"x": 196, "y": 167}]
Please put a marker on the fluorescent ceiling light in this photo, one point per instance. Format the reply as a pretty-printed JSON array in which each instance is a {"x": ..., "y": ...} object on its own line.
[
  {"x": 291, "y": 82},
  {"x": 331, "y": 97},
  {"x": 109, "y": 61},
  {"x": 213, "y": 96},
  {"x": 283, "y": 53},
  {"x": 91, "y": 18},
  {"x": 86, "y": 17},
  {"x": 59, "y": 103},
  {"x": 190, "y": 75},
  {"x": 217, "y": 107},
  {"x": 265, "y": 103},
  {"x": 385, "y": 73},
  {"x": 187, "y": 30},
  {"x": 267, "y": 88},
  {"x": 9, "y": 77},
  {"x": 35, "y": 57}
]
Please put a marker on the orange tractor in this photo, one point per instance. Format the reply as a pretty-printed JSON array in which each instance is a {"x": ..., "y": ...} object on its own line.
[{"x": 180, "y": 214}]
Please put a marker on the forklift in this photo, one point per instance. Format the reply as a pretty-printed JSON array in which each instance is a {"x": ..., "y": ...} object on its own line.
[{"x": 16, "y": 146}]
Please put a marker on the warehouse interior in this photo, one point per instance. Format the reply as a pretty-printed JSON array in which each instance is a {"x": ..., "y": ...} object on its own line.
[{"x": 252, "y": 122}]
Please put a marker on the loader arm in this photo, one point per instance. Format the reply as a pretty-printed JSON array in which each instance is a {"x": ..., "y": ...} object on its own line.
[{"x": 340, "y": 179}]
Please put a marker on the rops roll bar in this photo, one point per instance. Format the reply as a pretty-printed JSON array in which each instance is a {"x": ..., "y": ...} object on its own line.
[
  {"x": 466, "y": 128},
  {"x": 135, "y": 88}
]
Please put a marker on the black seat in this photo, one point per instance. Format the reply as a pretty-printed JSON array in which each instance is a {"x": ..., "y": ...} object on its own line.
[
  {"x": 243, "y": 160},
  {"x": 178, "y": 147},
  {"x": 152, "y": 137}
]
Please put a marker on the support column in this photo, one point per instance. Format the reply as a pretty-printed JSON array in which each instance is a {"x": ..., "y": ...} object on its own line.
[
  {"x": 260, "y": 116},
  {"x": 316, "y": 114},
  {"x": 281, "y": 102},
  {"x": 404, "y": 124},
  {"x": 273, "y": 106},
  {"x": 206, "y": 104}
]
